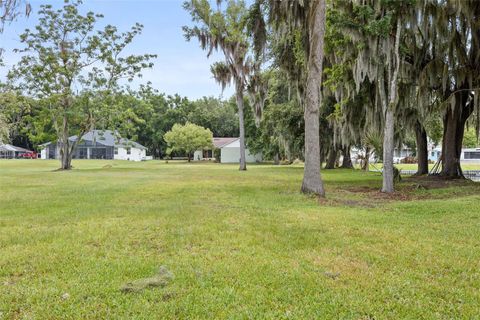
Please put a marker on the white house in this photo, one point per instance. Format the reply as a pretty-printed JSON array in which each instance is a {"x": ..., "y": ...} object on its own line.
[
  {"x": 8, "y": 151},
  {"x": 358, "y": 155},
  {"x": 467, "y": 155},
  {"x": 229, "y": 149},
  {"x": 434, "y": 154},
  {"x": 470, "y": 155},
  {"x": 99, "y": 144}
]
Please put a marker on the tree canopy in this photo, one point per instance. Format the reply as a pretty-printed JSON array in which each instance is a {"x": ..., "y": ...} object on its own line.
[
  {"x": 188, "y": 138},
  {"x": 70, "y": 62}
]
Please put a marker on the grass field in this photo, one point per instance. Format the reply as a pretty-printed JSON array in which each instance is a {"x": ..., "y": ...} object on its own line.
[
  {"x": 239, "y": 244},
  {"x": 413, "y": 166}
]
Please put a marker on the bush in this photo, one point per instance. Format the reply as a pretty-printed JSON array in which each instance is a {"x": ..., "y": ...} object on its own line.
[{"x": 409, "y": 160}]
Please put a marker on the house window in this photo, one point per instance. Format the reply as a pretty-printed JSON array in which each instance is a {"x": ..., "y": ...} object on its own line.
[
  {"x": 207, "y": 154},
  {"x": 129, "y": 150},
  {"x": 433, "y": 153},
  {"x": 116, "y": 151},
  {"x": 472, "y": 154}
]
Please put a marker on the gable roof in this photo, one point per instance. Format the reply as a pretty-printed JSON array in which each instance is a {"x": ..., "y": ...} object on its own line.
[
  {"x": 107, "y": 138},
  {"x": 221, "y": 142}
]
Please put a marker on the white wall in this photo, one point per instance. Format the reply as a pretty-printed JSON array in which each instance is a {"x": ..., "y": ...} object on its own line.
[
  {"x": 43, "y": 153},
  {"x": 198, "y": 155},
  {"x": 231, "y": 154},
  {"x": 136, "y": 154},
  {"x": 355, "y": 154},
  {"x": 462, "y": 156}
]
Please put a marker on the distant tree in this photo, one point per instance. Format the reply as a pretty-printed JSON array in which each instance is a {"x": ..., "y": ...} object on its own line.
[
  {"x": 217, "y": 115},
  {"x": 188, "y": 138},
  {"x": 225, "y": 30},
  {"x": 157, "y": 114},
  {"x": 4, "y": 129},
  {"x": 470, "y": 138},
  {"x": 68, "y": 61},
  {"x": 280, "y": 135},
  {"x": 14, "y": 115}
]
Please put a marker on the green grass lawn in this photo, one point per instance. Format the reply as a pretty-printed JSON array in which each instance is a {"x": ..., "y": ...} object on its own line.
[
  {"x": 414, "y": 166},
  {"x": 239, "y": 244}
]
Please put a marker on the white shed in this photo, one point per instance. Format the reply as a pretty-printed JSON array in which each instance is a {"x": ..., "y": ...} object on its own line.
[
  {"x": 471, "y": 155},
  {"x": 229, "y": 152}
]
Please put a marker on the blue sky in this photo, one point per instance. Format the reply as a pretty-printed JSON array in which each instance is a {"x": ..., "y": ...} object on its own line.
[{"x": 181, "y": 67}]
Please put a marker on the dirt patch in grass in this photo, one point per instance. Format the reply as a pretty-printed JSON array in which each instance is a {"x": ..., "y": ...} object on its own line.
[
  {"x": 409, "y": 189},
  {"x": 161, "y": 279},
  {"x": 361, "y": 189},
  {"x": 367, "y": 196},
  {"x": 437, "y": 182}
]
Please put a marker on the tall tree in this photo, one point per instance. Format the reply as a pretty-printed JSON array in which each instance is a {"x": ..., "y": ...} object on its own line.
[
  {"x": 377, "y": 30},
  {"x": 452, "y": 76},
  {"x": 67, "y": 60},
  {"x": 300, "y": 26},
  {"x": 225, "y": 30}
]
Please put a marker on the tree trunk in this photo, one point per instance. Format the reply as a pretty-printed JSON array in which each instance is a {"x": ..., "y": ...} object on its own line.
[
  {"x": 388, "y": 148},
  {"x": 347, "y": 160},
  {"x": 65, "y": 150},
  {"x": 389, "y": 111},
  {"x": 312, "y": 180},
  {"x": 422, "y": 149},
  {"x": 453, "y": 131},
  {"x": 239, "y": 94},
  {"x": 188, "y": 156},
  {"x": 66, "y": 158},
  {"x": 276, "y": 159},
  {"x": 366, "y": 162},
  {"x": 331, "y": 159}
]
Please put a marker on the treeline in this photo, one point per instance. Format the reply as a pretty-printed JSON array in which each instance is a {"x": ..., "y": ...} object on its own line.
[
  {"x": 144, "y": 116},
  {"x": 376, "y": 74}
]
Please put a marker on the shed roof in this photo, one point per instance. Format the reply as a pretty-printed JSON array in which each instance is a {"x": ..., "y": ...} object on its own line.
[{"x": 221, "y": 142}]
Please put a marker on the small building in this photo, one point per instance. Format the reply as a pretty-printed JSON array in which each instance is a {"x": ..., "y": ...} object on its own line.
[
  {"x": 228, "y": 149},
  {"x": 467, "y": 155},
  {"x": 401, "y": 153},
  {"x": 8, "y": 151},
  {"x": 99, "y": 144},
  {"x": 358, "y": 155},
  {"x": 470, "y": 155},
  {"x": 434, "y": 154}
]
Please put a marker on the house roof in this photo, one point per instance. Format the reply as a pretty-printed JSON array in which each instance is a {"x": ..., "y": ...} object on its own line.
[
  {"x": 221, "y": 142},
  {"x": 12, "y": 148},
  {"x": 107, "y": 138}
]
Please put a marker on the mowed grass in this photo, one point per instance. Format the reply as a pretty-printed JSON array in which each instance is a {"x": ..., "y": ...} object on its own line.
[
  {"x": 414, "y": 166},
  {"x": 241, "y": 245}
]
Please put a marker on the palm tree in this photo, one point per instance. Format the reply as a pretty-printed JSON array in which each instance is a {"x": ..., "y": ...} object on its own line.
[{"x": 225, "y": 30}]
